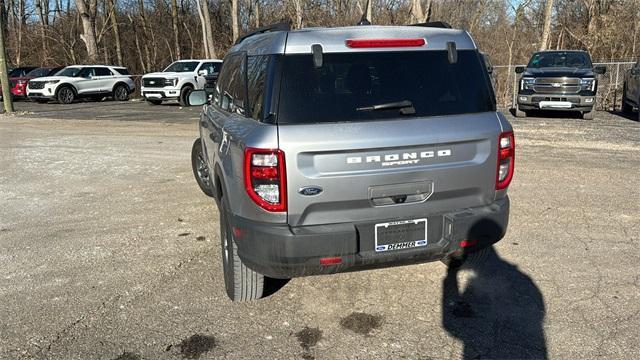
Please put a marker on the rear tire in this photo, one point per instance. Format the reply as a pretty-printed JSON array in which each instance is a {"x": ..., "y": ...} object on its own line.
[
  {"x": 588, "y": 115},
  {"x": 241, "y": 283},
  {"x": 121, "y": 93},
  {"x": 154, "y": 102},
  {"x": 520, "y": 113},
  {"x": 66, "y": 95},
  {"x": 184, "y": 96},
  {"x": 201, "y": 168}
]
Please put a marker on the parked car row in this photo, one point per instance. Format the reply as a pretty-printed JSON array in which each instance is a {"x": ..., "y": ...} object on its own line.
[{"x": 67, "y": 84}]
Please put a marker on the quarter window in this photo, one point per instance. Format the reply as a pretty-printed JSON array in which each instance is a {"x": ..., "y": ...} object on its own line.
[{"x": 256, "y": 76}]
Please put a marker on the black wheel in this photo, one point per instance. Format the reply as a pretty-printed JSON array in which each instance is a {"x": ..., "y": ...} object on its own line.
[
  {"x": 468, "y": 261},
  {"x": 121, "y": 92},
  {"x": 66, "y": 95},
  {"x": 241, "y": 283},
  {"x": 588, "y": 115},
  {"x": 154, "y": 102},
  {"x": 201, "y": 168},
  {"x": 184, "y": 96}
]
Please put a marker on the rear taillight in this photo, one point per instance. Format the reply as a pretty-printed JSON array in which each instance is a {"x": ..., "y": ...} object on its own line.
[
  {"x": 506, "y": 159},
  {"x": 384, "y": 43},
  {"x": 265, "y": 178}
]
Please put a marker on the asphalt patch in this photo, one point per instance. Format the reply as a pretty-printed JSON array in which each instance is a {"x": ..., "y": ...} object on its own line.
[
  {"x": 184, "y": 234},
  {"x": 196, "y": 345},
  {"x": 200, "y": 238},
  {"x": 128, "y": 356},
  {"x": 361, "y": 323},
  {"x": 309, "y": 337}
]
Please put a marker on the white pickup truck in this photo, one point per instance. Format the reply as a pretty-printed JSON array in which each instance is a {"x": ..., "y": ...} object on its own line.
[{"x": 178, "y": 80}]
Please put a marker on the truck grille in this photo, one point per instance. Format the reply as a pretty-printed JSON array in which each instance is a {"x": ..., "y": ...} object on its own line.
[
  {"x": 36, "y": 85},
  {"x": 153, "y": 82},
  {"x": 573, "y": 100},
  {"x": 557, "y": 85}
]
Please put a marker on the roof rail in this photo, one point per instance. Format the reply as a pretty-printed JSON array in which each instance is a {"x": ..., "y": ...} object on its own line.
[
  {"x": 281, "y": 26},
  {"x": 434, "y": 24}
]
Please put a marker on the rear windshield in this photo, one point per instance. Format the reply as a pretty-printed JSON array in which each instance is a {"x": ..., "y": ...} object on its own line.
[
  {"x": 560, "y": 59},
  {"x": 348, "y": 84}
]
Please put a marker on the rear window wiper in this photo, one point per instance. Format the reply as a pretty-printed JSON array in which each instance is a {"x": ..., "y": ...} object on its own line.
[{"x": 405, "y": 106}]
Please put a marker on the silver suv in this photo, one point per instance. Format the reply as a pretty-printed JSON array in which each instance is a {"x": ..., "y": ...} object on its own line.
[{"x": 342, "y": 149}]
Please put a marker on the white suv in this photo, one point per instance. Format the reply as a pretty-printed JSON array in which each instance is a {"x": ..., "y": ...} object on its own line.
[
  {"x": 178, "y": 80},
  {"x": 77, "y": 81}
]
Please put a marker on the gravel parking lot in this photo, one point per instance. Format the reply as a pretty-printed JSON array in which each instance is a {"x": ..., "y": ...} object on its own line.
[
  {"x": 109, "y": 250},
  {"x": 134, "y": 110}
]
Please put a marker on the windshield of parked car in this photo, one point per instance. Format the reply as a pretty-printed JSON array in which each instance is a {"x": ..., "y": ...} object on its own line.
[
  {"x": 560, "y": 59},
  {"x": 69, "y": 71},
  {"x": 349, "y": 86},
  {"x": 182, "y": 66},
  {"x": 39, "y": 72}
]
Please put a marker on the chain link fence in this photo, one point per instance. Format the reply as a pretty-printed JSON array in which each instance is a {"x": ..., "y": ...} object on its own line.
[{"x": 609, "y": 85}]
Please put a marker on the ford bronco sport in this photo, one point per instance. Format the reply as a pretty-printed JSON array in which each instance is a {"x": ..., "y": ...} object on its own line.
[
  {"x": 559, "y": 81},
  {"x": 342, "y": 149}
]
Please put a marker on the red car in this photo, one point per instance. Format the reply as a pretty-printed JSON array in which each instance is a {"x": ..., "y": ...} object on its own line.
[{"x": 20, "y": 79}]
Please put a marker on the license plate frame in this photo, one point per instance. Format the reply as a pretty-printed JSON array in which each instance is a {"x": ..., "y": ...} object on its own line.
[{"x": 382, "y": 243}]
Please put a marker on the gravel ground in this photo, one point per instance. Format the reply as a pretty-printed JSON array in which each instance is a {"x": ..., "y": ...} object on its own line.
[{"x": 108, "y": 250}]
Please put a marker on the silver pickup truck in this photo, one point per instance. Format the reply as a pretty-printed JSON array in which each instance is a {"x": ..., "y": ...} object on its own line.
[{"x": 342, "y": 149}]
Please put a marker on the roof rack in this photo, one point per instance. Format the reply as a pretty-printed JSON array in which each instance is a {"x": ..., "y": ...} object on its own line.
[
  {"x": 434, "y": 24},
  {"x": 281, "y": 26}
]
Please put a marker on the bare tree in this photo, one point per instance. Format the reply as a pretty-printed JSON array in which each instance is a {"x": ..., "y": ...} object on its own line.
[
  {"x": 174, "y": 24},
  {"x": 299, "y": 17},
  {"x": 235, "y": 30},
  {"x": 116, "y": 29},
  {"x": 546, "y": 30},
  {"x": 87, "y": 13}
]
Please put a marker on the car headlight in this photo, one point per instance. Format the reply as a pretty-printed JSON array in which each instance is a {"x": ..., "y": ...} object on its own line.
[
  {"x": 171, "y": 82},
  {"x": 588, "y": 84},
  {"x": 48, "y": 82},
  {"x": 527, "y": 83}
]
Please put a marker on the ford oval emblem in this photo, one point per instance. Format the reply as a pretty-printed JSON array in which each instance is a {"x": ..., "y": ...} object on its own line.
[{"x": 310, "y": 190}]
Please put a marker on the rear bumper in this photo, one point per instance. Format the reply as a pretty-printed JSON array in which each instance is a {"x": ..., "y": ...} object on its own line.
[
  {"x": 556, "y": 102},
  {"x": 285, "y": 252}
]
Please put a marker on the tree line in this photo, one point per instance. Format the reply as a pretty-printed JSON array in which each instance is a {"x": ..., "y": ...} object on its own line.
[{"x": 146, "y": 35}]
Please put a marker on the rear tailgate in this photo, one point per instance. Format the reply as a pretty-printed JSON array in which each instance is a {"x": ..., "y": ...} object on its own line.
[{"x": 393, "y": 169}]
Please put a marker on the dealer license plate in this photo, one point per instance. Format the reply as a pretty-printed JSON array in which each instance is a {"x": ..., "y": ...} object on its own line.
[{"x": 398, "y": 235}]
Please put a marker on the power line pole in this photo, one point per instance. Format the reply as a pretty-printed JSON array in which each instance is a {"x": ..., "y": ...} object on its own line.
[{"x": 4, "y": 77}]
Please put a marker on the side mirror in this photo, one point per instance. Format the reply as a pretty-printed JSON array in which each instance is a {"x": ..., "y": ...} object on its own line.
[
  {"x": 600, "y": 70},
  {"x": 197, "y": 97},
  {"x": 203, "y": 73},
  {"x": 520, "y": 69}
]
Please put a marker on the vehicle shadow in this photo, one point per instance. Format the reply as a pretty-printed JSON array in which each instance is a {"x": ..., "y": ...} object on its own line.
[
  {"x": 499, "y": 314},
  {"x": 549, "y": 114},
  {"x": 631, "y": 117}
]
